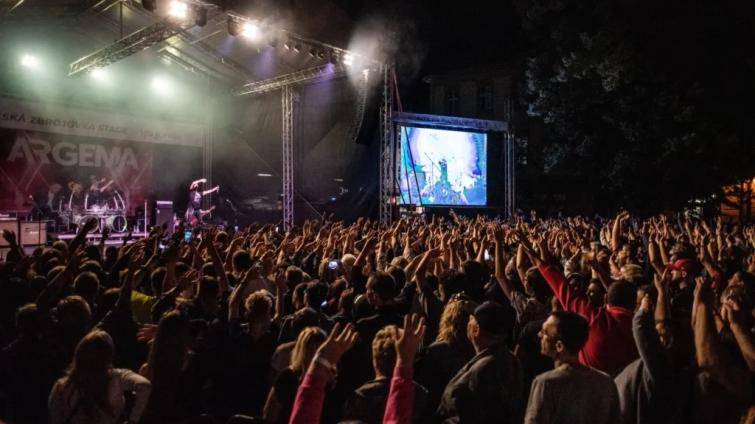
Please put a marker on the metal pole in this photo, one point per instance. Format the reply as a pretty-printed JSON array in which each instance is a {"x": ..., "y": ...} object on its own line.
[
  {"x": 387, "y": 151},
  {"x": 287, "y": 103}
]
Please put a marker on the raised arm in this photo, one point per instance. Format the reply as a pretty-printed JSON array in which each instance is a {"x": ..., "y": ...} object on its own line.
[
  {"x": 310, "y": 396},
  {"x": 500, "y": 266},
  {"x": 400, "y": 405}
]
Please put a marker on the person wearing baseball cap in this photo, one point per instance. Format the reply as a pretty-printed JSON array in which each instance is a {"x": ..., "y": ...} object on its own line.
[{"x": 488, "y": 389}]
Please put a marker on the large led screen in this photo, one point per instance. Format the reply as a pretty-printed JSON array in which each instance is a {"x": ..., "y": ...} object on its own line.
[{"x": 442, "y": 167}]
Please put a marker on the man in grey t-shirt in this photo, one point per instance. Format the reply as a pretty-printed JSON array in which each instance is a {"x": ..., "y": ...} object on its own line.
[{"x": 571, "y": 393}]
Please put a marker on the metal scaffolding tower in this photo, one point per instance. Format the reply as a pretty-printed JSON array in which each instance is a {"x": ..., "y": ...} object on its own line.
[
  {"x": 288, "y": 100},
  {"x": 510, "y": 174},
  {"x": 387, "y": 150}
]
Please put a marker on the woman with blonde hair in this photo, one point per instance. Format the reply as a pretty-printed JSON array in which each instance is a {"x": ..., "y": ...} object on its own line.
[
  {"x": 92, "y": 390},
  {"x": 280, "y": 400},
  {"x": 451, "y": 350}
]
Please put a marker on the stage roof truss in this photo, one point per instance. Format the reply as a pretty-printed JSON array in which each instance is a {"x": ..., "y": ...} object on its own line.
[
  {"x": 309, "y": 75},
  {"x": 449, "y": 122},
  {"x": 180, "y": 39}
]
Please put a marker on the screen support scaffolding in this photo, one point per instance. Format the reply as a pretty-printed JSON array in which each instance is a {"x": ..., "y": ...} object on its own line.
[{"x": 387, "y": 150}]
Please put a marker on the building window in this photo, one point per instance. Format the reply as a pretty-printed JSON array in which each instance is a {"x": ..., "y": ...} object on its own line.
[
  {"x": 485, "y": 99},
  {"x": 452, "y": 100}
]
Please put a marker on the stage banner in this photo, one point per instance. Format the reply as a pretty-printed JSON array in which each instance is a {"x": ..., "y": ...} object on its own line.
[
  {"x": 54, "y": 172},
  {"x": 60, "y": 119},
  {"x": 51, "y": 156}
]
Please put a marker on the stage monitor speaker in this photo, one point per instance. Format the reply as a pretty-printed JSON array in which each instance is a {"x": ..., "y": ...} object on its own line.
[
  {"x": 33, "y": 233},
  {"x": 164, "y": 214}
]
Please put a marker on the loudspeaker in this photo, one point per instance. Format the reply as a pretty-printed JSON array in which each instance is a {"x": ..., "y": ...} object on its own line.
[
  {"x": 163, "y": 214},
  {"x": 33, "y": 233}
]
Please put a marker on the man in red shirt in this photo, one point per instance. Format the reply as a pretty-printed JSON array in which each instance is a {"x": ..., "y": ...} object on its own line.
[{"x": 610, "y": 345}]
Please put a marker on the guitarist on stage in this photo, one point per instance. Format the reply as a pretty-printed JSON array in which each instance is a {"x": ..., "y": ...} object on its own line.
[{"x": 194, "y": 212}]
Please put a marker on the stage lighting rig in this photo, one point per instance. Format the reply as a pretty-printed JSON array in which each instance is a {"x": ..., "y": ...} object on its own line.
[
  {"x": 200, "y": 16},
  {"x": 250, "y": 30},
  {"x": 178, "y": 9},
  {"x": 234, "y": 27},
  {"x": 347, "y": 59},
  {"x": 149, "y": 5}
]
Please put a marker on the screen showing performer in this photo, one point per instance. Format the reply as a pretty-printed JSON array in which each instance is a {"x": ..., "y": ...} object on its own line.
[{"x": 442, "y": 167}]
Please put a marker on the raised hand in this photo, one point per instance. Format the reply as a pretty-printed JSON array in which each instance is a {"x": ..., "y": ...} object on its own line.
[
  {"x": 90, "y": 225},
  {"x": 146, "y": 333},
  {"x": 337, "y": 343},
  {"x": 10, "y": 237},
  {"x": 410, "y": 339}
]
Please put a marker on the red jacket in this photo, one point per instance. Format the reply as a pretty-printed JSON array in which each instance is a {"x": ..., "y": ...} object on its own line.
[{"x": 610, "y": 346}]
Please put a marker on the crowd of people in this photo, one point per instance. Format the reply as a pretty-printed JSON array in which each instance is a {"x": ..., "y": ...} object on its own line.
[{"x": 427, "y": 320}]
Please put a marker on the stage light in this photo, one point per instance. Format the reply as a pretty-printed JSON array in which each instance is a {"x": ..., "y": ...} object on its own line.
[
  {"x": 149, "y": 5},
  {"x": 264, "y": 175},
  {"x": 234, "y": 28},
  {"x": 29, "y": 61},
  {"x": 297, "y": 47},
  {"x": 250, "y": 31},
  {"x": 321, "y": 54},
  {"x": 201, "y": 17},
  {"x": 287, "y": 46},
  {"x": 312, "y": 52},
  {"x": 178, "y": 9},
  {"x": 348, "y": 59},
  {"x": 98, "y": 74},
  {"x": 161, "y": 85}
]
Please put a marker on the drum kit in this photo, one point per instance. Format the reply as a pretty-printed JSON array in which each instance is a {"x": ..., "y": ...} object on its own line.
[{"x": 109, "y": 211}]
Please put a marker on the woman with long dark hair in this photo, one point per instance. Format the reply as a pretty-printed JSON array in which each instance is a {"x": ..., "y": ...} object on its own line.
[
  {"x": 92, "y": 390},
  {"x": 165, "y": 368}
]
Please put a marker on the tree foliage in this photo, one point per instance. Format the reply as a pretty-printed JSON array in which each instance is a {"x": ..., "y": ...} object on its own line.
[{"x": 646, "y": 104}]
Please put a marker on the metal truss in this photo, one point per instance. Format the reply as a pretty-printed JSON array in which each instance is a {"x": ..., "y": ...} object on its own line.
[
  {"x": 450, "y": 122},
  {"x": 510, "y": 174},
  {"x": 387, "y": 151},
  {"x": 309, "y": 75},
  {"x": 288, "y": 105},
  {"x": 126, "y": 46}
]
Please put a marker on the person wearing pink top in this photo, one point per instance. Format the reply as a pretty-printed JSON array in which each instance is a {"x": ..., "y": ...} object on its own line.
[{"x": 311, "y": 394}]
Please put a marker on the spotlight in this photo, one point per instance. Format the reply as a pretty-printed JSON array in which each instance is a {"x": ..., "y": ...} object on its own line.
[
  {"x": 347, "y": 59},
  {"x": 201, "y": 17},
  {"x": 29, "y": 61},
  {"x": 178, "y": 9},
  {"x": 313, "y": 52},
  {"x": 161, "y": 85},
  {"x": 250, "y": 31},
  {"x": 321, "y": 54},
  {"x": 297, "y": 47},
  {"x": 264, "y": 175},
  {"x": 287, "y": 45},
  {"x": 98, "y": 74},
  {"x": 149, "y": 5}
]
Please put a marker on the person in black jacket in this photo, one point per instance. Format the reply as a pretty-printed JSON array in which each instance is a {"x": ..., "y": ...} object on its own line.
[{"x": 489, "y": 388}]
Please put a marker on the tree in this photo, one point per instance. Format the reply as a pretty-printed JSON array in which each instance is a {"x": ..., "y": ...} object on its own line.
[{"x": 646, "y": 104}]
